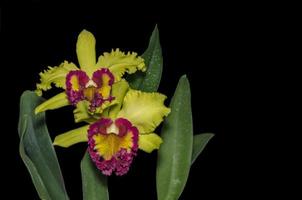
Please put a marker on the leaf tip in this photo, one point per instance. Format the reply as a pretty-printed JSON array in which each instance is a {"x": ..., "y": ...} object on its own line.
[
  {"x": 210, "y": 135},
  {"x": 184, "y": 81},
  {"x": 155, "y": 28},
  {"x": 183, "y": 77},
  {"x": 26, "y": 93}
]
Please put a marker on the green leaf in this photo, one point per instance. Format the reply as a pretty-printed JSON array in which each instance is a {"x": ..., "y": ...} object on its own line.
[
  {"x": 149, "y": 81},
  {"x": 94, "y": 183},
  {"x": 174, "y": 155},
  {"x": 36, "y": 178},
  {"x": 200, "y": 141},
  {"x": 36, "y": 150}
]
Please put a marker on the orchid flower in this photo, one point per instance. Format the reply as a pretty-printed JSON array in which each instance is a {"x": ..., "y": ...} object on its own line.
[
  {"x": 113, "y": 140},
  {"x": 89, "y": 87}
]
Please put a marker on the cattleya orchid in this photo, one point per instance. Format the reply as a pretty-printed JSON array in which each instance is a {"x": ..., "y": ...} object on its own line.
[
  {"x": 129, "y": 125},
  {"x": 121, "y": 120},
  {"x": 89, "y": 87}
]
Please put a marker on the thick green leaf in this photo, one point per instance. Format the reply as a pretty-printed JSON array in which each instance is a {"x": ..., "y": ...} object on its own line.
[
  {"x": 94, "y": 183},
  {"x": 174, "y": 155},
  {"x": 36, "y": 178},
  {"x": 36, "y": 150},
  {"x": 149, "y": 81},
  {"x": 200, "y": 141}
]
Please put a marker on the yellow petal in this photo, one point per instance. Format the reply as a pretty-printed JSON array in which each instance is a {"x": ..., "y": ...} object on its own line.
[
  {"x": 81, "y": 112},
  {"x": 86, "y": 52},
  {"x": 144, "y": 110},
  {"x": 72, "y": 137},
  {"x": 55, "y": 102},
  {"x": 149, "y": 142},
  {"x": 119, "y": 63},
  {"x": 54, "y": 75},
  {"x": 119, "y": 90},
  {"x": 105, "y": 105}
]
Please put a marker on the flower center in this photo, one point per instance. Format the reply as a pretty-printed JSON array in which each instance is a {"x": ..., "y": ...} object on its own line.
[
  {"x": 113, "y": 129},
  {"x": 90, "y": 83},
  {"x": 89, "y": 93},
  {"x": 112, "y": 145}
]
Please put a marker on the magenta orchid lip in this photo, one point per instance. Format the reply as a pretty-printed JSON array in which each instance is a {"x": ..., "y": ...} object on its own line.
[{"x": 124, "y": 138}]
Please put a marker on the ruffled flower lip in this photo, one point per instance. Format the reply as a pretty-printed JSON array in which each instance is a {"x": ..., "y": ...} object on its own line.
[
  {"x": 112, "y": 145},
  {"x": 96, "y": 90}
]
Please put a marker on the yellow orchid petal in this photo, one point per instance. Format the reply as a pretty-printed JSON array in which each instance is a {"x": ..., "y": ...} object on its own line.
[
  {"x": 72, "y": 137},
  {"x": 54, "y": 75},
  {"x": 86, "y": 52},
  {"x": 119, "y": 90},
  {"x": 119, "y": 63},
  {"x": 81, "y": 112},
  {"x": 149, "y": 142},
  {"x": 105, "y": 105},
  {"x": 144, "y": 110},
  {"x": 55, "y": 102}
]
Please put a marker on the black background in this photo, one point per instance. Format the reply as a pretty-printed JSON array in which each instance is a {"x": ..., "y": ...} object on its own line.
[{"x": 215, "y": 45}]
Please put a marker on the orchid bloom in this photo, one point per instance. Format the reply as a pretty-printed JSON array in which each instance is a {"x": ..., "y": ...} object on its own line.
[
  {"x": 114, "y": 138},
  {"x": 90, "y": 86}
]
